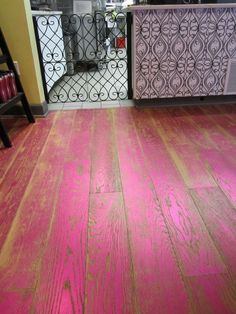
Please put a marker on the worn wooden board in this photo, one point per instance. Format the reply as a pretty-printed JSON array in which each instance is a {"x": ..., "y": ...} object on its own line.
[
  {"x": 21, "y": 253},
  {"x": 158, "y": 282},
  {"x": 214, "y": 293},
  {"x": 218, "y": 136},
  {"x": 105, "y": 169},
  {"x": 16, "y": 179},
  {"x": 222, "y": 166},
  {"x": 188, "y": 232},
  {"x": 18, "y": 130},
  {"x": 15, "y": 302},
  {"x": 109, "y": 287},
  {"x": 61, "y": 283},
  {"x": 220, "y": 219}
]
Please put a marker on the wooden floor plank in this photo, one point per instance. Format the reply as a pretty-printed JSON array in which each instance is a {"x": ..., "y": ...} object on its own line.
[
  {"x": 15, "y": 302},
  {"x": 222, "y": 166},
  {"x": 16, "y": 179},
  {"x": 185, "y": 156},
  {"x": 220, "y": 219},
  {"x": 181, "y": 118},
  {"x": 158, "y": 281},
  {"x": 61, "y": 284},
  {"x": 109, "y": 286},
  {"x": 219, "y": 137},
  {"x": 225, "y": 123},
  {"x": 105, "y": 169},
  {"x": 25, "y": 242},
  {"x": 177, "y": 255},
  {"x": 18, "y": 131},
  {"x": 192, "y": 168},
  {"x": 214, "y": 294},
  {"x": 228, "y": 110},
  {"x": 194, "y": 246}
]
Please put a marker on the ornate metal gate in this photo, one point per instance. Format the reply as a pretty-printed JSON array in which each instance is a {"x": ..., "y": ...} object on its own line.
[{"x": 83, "y": 57}]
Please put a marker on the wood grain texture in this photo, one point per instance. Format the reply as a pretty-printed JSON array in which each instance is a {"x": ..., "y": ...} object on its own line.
[
  {"x": 109, "y": 287},
  {"x": 222, "y": 166},
  {"x": 219, "y": 137},
  {"x": 22, "y": 250},
  {"x": 105, "y": 169},
  {"x": 213, "y": 294},
  {"x": 186, "y": 157},
  {"x": 16, "y": 180},
  {"x": 227, "y": 122},
  {"x": 19, "y": 129},
  {"x": 158, "y": 281},
  {"x": 183, "y": 122},
  {"x": 220, "y": 219},
  {"x": 61, "y": 284},
  {"x": 193, "y": 169},
  {"x": 163, "y": 243},
  {"x": 193, "y": 245},
  {"x": 15, "y": 302},
  {"x": 226, "y": 108},
  {"x": 197, "y": 254}
]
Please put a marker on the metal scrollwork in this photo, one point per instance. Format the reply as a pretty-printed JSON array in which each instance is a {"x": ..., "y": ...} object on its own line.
[{"x": 84, "y": 57}]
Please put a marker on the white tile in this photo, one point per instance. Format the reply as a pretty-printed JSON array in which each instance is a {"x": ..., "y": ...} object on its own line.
[
  {"x": 56, "y": 106},
  {"x": 92, "y": 105},
  {"x": 127, "y": 103},
  {"x": 110, "y": 104},
  {"x": 72, "y": 106},
  {"x": 107, "y": 82}
]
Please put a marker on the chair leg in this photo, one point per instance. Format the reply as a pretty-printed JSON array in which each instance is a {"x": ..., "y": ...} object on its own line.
[
  {"x": 27, "y": 109},
  {"x": 4, "y": 136}
]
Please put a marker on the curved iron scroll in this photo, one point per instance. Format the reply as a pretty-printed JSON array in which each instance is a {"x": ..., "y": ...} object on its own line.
[{"x": 84, "y": 57}]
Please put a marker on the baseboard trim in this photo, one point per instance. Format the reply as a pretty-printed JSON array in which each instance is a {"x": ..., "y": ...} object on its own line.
[
  {"x": 186, "y": 101},
  {"x": 40, "y": 110}
]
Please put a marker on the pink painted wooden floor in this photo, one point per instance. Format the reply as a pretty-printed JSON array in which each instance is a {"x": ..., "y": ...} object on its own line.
[{"x": 120, "y": 211}]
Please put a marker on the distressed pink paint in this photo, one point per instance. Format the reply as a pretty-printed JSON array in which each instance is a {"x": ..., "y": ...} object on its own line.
[
  {"x": 181, "y": 122},
  {"x": 13, "y": 186},
  {"x": 221, "y": 117},
  {"x": 156, "y": 246},
  {"x": 109, "y": 287},
  {"x": 193, "y": 245},
  {"x": 157, "y": 278},
  {"x": 20, "y": 256},
  {"x": 17, "y": 132},
  {"x": 210, "y": 127},
  {"x": 62, "y": 275},
  {"x": 191, "y": 167},
  {"x": 214, "y": 293},
  {"x": 223, "y": 168},
  {"x": 15, "y": 302},
  {"x": 105, "y": 169},
  {"x": 220, "y": 219}
]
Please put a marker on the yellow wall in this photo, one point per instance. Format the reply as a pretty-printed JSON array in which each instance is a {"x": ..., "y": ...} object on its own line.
[{"x": 17, "y": 25}]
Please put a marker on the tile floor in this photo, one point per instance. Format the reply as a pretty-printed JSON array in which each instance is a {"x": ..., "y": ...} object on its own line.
[{"x": 84, "y": 86}]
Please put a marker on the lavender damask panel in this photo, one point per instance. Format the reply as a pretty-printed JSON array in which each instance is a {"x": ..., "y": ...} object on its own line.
[{"x": 183, "y": 52}]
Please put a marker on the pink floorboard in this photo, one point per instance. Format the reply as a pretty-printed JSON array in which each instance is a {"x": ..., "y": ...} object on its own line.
[{"x": 120, "y": 211}]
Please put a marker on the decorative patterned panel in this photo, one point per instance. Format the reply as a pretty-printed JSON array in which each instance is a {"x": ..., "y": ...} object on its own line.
[{"x": 183, "y": 52}]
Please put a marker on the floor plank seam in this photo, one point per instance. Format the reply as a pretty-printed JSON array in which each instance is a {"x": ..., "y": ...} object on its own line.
[
  {"x": 23, "y": 196},
  {"x": 134, "y": 301},
  {"x": 188, "y": 290},
  {"x": 55, "y": 201},
  {"x": 87, "y": 233},
  {"x": 211, "y": 236}
]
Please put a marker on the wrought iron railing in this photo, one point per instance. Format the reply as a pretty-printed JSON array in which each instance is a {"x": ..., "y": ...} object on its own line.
[{"x": 83, "y": 57}]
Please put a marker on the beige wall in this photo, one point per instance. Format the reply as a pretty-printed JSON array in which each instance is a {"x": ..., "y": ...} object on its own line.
[{"x": 17, "y": 25}]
